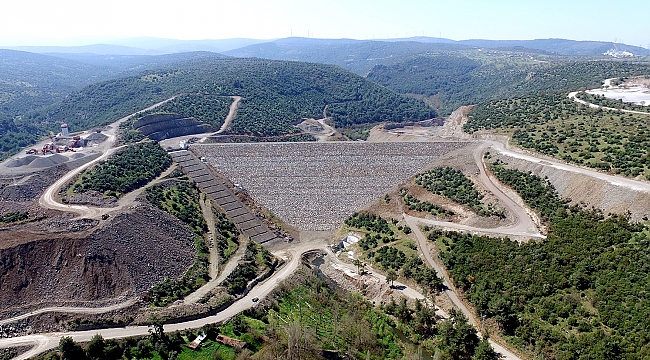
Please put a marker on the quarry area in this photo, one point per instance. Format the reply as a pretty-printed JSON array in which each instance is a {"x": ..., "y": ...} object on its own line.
[{"x": 636, "y": 91}]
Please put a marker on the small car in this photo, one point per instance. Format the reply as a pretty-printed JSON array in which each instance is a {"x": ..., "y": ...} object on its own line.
[{"x": 256, "y": 299}]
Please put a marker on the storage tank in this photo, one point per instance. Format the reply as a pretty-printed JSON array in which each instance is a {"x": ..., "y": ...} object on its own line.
[{"x": 64, "y": 129}]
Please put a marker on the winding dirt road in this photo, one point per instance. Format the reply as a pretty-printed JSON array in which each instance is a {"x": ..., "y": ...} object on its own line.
[
  {"x": 216, "y": 281},
  {"x": 607, "y": 84},
  {"x": 44, "y": 342},
  {"x": 614, "y": 180},
  {"x": 451, "y": 291},
  {"x": 49, "y": 198},
  {"x": 232, "y": 112},
  {"x": 71, "y": 310}
]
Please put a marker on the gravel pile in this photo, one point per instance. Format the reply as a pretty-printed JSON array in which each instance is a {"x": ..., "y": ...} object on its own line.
[
  {"x": 29, "y": 187},
  {"x": 93, "y": 198},
  {"x": 315, "y": 186}
]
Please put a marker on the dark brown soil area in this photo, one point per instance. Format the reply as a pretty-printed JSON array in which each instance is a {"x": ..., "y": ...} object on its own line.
[
  {"x": 13, "y": 352},
  {"x": 92, "y": 198},
  {"x": 21, "y": 193},
  {"x": 122, "y": 258}
]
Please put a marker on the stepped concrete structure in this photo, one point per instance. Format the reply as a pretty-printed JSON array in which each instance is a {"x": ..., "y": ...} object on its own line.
[{"x": 245, "y": 221}]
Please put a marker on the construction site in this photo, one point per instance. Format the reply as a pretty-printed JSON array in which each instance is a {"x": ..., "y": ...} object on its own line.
[{"x": 84, "y": 266}]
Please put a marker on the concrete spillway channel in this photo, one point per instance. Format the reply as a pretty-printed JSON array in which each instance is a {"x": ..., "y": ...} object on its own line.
[{"x": 244, "y": 220}]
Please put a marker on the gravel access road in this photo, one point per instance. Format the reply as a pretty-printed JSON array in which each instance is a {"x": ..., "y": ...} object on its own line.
[
  {"x": 608, "y": 84},
  {"x": 49, "y": 198},
  {"x": 48, "y": 341},
  {"x": 451, "y": 291}
]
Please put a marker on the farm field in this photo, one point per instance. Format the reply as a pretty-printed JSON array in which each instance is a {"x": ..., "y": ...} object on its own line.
[{"x": 315, "y": 186}]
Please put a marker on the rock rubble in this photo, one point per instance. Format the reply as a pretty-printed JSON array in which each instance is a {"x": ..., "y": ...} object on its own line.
[{"x": 315, "y": 186}]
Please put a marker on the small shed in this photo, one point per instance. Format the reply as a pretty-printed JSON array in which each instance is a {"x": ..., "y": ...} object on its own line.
[{"x": 195, "y": 344}]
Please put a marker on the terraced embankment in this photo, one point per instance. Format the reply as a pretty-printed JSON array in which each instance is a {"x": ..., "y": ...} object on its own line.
[
  {"x": 611, "y": 194},
  {"x": 164, "y": 126},
  {"x": 247, "y": 223}
]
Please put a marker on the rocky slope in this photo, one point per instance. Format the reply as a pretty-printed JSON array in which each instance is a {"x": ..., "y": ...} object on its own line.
[{"x": 120, "y": 258}]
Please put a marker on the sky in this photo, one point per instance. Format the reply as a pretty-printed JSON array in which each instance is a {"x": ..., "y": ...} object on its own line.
[{"x": 82, "y": 22}]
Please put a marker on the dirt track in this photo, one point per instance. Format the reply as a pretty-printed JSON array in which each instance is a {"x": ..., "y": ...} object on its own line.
[
  {"x": 451, "y": 292},
  {"x": 607, "y": 84},
  {"x": 232, "y": 112},
  {"x": 49, "y": 201}
]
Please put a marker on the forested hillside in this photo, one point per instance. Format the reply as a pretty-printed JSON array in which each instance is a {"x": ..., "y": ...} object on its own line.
[
  {"x": 557, "y": 126},
  {"x": 463, "y": 79},
  {"x": 580, "y": 294},
  {"x": 29, "y": 81},
  {"x": 276, "y": 94}
]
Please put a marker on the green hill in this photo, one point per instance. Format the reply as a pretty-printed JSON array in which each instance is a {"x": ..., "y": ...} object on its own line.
[
  {"x": 277, "y": 94},
  {"x": 449, "y": 81}
]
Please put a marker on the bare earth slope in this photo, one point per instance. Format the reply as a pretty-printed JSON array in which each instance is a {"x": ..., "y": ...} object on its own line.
[{"x": 123, "y": 258}]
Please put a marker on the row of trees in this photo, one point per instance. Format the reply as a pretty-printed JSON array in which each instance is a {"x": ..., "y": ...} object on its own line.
[
  {"x": 227, "y": 238},
  {"x": 255, "y": 261},
  {"x": 453, "y": 184},
  {"x": 13, "y": 216},
  {"x": 181, "y": 199},
  {"x": 369, "y": 222},
  {"x": 416, "y": 204}
]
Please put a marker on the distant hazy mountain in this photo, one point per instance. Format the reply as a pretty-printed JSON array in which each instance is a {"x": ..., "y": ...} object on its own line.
[
  {"x": 559, "y": 46},
  {"x": 358, "y": 56},
  {"x": 98, "y": 49},
  {"x": 130, "y": 63},
  {"x": 423, "y": 39},
  {"x": 307, "y": 49},
  {"x": 29, "y": 81},
  {"x": 169, "y": 46}
]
